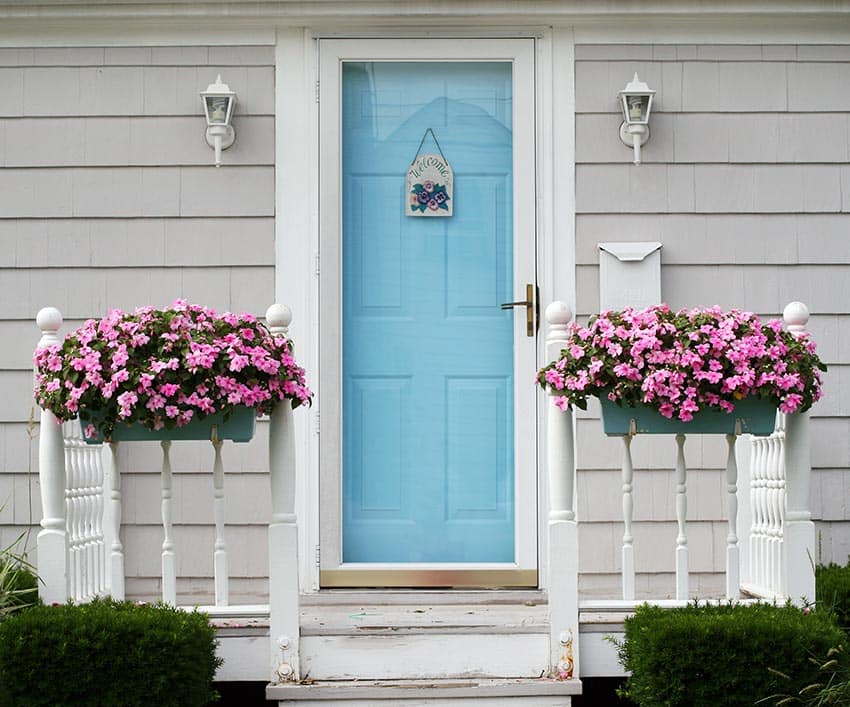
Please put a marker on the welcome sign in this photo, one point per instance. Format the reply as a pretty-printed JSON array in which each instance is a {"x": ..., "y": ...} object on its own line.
[{"x": 430, "y": 187}]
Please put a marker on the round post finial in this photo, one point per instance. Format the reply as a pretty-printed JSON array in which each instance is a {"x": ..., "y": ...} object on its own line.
[
  {"x": 49, "y": 320},
  {"x": 796, "y": 316},
  {"x": 558, "y": 313},
  {"x": 279, "y": 317}
]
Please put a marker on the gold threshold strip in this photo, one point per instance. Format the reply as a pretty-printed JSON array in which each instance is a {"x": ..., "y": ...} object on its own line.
[{"x": 436, "y": 578}]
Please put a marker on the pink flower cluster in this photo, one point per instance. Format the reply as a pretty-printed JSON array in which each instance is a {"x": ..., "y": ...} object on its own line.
[
  {"x": 682, "y": 362},
  {"x": 163, "y": 368}
]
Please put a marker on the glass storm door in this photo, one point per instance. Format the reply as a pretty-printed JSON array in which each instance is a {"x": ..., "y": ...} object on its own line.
[{"x": 432, "y": 464}]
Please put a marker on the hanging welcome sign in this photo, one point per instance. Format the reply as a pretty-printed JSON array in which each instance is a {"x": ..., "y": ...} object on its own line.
[{"x": 430, "y": 183}]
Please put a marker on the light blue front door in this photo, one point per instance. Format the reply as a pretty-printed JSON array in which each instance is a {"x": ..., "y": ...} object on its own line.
[{"x": 427, "y": 353}]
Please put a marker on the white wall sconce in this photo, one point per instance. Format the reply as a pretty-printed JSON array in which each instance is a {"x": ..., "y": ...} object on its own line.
[
  {"x": 219, "y": 101},
  {"x": 636, "y": 104}
]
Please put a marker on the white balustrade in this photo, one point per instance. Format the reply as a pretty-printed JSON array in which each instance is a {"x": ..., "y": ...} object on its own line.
[
  {"x": 169, "y": 556},
  {"x": 733, "y": 561},
  {"x": 52, "y": 538},
  {"x": 84, "y": 508},
  {"x": 798, "y": 547},
  {"x": 222, "y": 582},
  {"x": 562, "y": 527},
  {"x": 284, "y": 621},
  {"x": 681, "y": 516},
  {"x": 79, "y": 546},
  {"x": 628, "y": 570}
]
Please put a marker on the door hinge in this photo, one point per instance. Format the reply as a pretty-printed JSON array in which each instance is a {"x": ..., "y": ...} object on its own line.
[
  {"x": 318, "y": 556},
  {"x": 317, "y": 423},
  {"x": 317, "y": 91},
  {"x": 317, "y": 262}
]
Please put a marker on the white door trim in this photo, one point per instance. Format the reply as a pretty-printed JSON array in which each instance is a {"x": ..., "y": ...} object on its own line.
[{"x": 296, "y": 234}]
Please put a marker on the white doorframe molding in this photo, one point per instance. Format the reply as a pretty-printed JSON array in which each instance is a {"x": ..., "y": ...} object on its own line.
[{"x": 297, "y": 229}]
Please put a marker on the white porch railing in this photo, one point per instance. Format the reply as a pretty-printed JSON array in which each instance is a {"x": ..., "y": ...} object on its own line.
[
  {"x": 780, "y": 540},
  {"x": 80, "y": 553}
]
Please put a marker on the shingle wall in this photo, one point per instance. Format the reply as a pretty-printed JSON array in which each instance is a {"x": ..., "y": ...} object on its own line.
[
  {"x": 745, "y": 182},
  {"x": 109, "y": 198}
]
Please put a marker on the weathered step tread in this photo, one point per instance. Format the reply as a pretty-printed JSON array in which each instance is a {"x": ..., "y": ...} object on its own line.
[
  {"x": 406, "y": 689},
  {"x": 359, "y": 620}
]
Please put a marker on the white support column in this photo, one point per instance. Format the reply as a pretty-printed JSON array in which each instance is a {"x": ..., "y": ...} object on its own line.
[
  {"x": 563, "y": 528},
  {"x": 222, "y": 585},
  {"x": 115, "y": 549},
  {"x": 284, "y": 624},
  {"x": 681, "y": 515},
  {"x": 733, "y": 562},
  {"x": 52, "y": 542},
  {"x": 169, "y": 566},
  {"x": 628, "y": 511},
  {"x": 799, "y": 530}
]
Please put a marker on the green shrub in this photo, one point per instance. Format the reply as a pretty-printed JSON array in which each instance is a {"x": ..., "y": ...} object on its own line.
[
  {"x": 698, "y": 656},
  {"x": 832, "y": 590},
  {"x": 107, "y": 653}
]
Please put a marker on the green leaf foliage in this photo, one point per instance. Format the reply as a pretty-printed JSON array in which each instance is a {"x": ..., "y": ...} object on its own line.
[
  {"x": 18, "y": 583},
  {"x": 730, "y": 655},
  {"x": 833, "y": 591},
  {"x": 107, "y": 653}
]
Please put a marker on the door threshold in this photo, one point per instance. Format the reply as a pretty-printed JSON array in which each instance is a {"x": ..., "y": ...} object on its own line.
[{"x": 529, "y": 597}]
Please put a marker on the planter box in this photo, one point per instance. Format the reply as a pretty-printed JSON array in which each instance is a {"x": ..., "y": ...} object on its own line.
[
  {"x": 239, "y": 427},
  {"x": 757, "y": 417}
]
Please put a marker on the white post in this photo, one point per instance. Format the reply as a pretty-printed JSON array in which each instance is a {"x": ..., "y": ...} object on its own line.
[
  {"x": 733, "y": 562},
  {"x": 563, "y": 529},
  {"x": 52, "y": 538},
  {"x": 799, "y": 530},
  {"x": 222, "y": 585},
  {"x": 284, "y": 624},
  {"x": 681, "y": 516},
  {"x": 115, "y": 550},
  {"x": 628, "y": 511},
  {"x": 169, "y": 569}
]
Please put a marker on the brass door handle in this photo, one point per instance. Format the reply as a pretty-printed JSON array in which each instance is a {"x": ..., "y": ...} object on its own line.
[{"x": 531, "y": 305}]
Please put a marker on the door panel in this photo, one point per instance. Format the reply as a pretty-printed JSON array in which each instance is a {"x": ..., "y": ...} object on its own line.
[{"x": 421, "y": 317}]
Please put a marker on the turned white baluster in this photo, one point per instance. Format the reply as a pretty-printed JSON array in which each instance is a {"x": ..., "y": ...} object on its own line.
[
  {"x": 733, "y": 563},
  {"x": 778, "y": 579},
  {"x": 681, "y": 514},
  {"x": 52, "y": 538},
  {"x": 563, "y": 530},
  {"x": 799, "y": 530},
  {"x": 112, "y": 534},
  {"x": 628, "y": 511},
  {"x": 222, "y": 588},
  {"x": 284, "y": 627},
  {"x": 169, "y": 569},
  {"x": 756, "y": 510}
]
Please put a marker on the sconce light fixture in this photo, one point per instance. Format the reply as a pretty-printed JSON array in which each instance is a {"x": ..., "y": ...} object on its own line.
[
  {"x": 636, "y": 104},
  {"x": 219, "y": 101}
]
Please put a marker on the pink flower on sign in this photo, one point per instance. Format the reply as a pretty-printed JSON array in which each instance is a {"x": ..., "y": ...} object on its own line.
[{"x": 682, "y": 362}]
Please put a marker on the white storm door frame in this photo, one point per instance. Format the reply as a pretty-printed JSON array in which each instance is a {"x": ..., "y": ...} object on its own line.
[{"x": 332, "y": 54}]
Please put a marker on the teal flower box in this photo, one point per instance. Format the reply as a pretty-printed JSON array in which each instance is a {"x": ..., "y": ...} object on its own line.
[
  {"x": 239, "y": 427},
  {"x": 756, "y": 415}
]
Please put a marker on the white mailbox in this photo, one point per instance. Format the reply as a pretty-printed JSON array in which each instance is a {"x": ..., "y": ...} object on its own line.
[{"x": 629, "y": 275}]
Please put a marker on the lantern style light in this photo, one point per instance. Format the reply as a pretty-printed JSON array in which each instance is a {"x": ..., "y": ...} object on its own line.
[
  {"x": 219, "y": 101},
  {"x": 636, "y": 105}
]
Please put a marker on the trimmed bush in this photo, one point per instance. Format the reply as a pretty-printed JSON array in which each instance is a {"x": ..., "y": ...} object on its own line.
[
  {"x": 701, "y": 656},
  {"x": 832, "y": 584},
  {"x": 107, "y": 653}
]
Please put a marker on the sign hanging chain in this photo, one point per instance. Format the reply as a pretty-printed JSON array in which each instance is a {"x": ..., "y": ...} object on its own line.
[{"x": 422, "y": 142}]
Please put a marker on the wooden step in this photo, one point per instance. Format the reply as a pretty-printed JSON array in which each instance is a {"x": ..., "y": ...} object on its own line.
[
  {"x": 436, "y": 693},
  {"x": 429, "y": 641}
]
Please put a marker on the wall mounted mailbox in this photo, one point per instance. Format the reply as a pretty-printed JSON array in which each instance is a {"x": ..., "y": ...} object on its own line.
[{"x": 629, "y": 275}]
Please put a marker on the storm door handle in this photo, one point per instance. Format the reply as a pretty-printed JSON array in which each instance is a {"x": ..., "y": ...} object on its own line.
[{"x": 532, "y": 309}]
